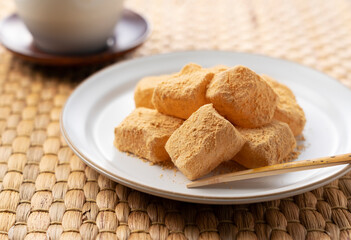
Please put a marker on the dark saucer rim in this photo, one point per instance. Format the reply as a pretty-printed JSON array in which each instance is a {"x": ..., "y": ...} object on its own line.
[{"x": 109, "y": 53}]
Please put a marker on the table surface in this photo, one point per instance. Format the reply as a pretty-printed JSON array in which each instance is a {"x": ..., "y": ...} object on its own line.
[{"x": 46, "y": 192}]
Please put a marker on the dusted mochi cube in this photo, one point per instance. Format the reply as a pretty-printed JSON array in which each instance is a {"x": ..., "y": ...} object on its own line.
[
  {"x": 190, "y": 68},
  {"x": 144, "y": 90},
  {"x": 243, "y": 97},
  {"x": 145, "y": 87},
  {"x": 266, "y": 145},
  {"x": 218, "y": 68},
  {"x": 205, "y": 140},
  {"x": 184, "y": 93},
  {"x": 288, "y": 110},
  {"x": 145, "y": 132}
]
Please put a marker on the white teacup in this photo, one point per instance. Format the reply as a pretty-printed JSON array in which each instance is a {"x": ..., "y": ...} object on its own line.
[{"x": 70, "y": 26}]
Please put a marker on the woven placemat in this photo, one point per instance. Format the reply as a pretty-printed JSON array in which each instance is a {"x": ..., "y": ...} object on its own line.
[{"x": 46, "y": 192}]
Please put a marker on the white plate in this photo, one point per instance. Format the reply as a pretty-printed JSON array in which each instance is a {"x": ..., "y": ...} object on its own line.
[{"x": 102, "y": 101}]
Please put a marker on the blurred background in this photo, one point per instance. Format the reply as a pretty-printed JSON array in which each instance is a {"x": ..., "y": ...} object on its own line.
[{"x": 314, "y": 32}]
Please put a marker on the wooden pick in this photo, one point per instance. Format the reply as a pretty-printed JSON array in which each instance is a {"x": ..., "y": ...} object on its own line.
[{"x": 274, "y": 170}]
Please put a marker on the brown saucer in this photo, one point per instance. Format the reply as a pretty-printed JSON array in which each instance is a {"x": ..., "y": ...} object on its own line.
[{"x": 130, "y": 32}]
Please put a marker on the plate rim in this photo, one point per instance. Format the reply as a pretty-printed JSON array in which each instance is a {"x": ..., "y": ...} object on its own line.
[
  {"x": 204, "y": 199},
  {"x": 187, "y": 197}
]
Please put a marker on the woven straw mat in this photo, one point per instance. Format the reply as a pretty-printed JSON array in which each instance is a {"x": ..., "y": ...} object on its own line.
[{"x": 46, "y": 192}]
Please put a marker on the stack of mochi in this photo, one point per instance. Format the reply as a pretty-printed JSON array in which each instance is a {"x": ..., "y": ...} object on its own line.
[{"x": 200, "y": 117}]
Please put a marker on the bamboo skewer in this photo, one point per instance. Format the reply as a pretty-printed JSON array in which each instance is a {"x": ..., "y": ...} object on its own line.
[{"x": 274, "y": 170}]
